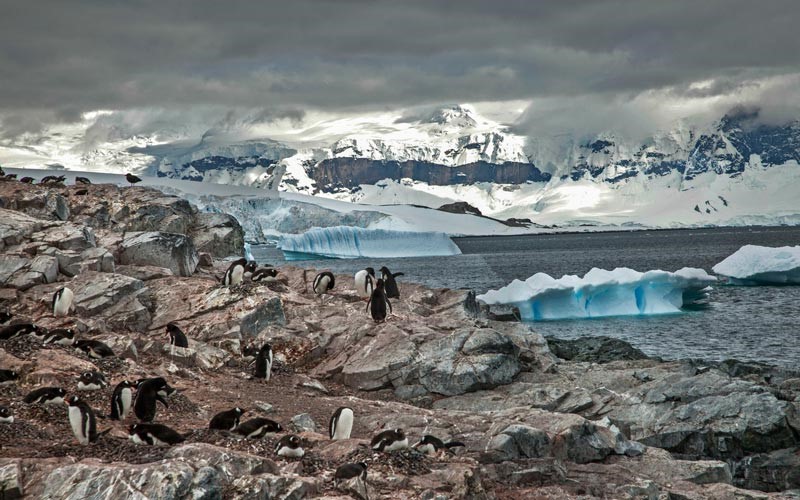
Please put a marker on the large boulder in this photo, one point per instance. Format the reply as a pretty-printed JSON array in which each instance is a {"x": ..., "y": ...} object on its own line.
[
  {"x": 114, "y": 298},
  {"x": 171, "y": 250},
  {"x": 22, "y": 273},
  {"x": 220, "y": 235}
]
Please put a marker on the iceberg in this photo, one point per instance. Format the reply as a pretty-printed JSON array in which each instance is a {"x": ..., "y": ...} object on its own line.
[
  {"x": 757, "y": 265},
  {"x": 345, "y": 242},
  {"x": 621, "y": 292}
]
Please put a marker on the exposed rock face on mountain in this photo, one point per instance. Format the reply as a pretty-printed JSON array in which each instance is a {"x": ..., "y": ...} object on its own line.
[{"x": 533, "y": 425}]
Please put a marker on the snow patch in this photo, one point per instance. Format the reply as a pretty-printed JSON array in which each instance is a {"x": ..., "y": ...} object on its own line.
[{"x": 757, "y": 265}]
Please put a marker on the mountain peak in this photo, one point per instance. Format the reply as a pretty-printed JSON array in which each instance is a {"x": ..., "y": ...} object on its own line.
[{"x": 459, "y": 115}]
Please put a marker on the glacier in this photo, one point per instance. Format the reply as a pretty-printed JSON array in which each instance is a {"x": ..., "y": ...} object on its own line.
[
  {"x": 599, "y": 293},
  {"x": 345, "y": 242},
  {"x": 757, "y": 265}
]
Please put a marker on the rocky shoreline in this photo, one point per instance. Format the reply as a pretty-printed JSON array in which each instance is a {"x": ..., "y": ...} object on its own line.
[{"x": 586, "y": 419}]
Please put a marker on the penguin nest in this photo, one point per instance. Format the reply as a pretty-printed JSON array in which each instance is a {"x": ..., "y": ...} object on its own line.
[
  {"x": 110, "y": 365},
  {"x": 408, "y": 462},
  {"x": 107, "y": 449},
  {"x": 22, "y": 347}
]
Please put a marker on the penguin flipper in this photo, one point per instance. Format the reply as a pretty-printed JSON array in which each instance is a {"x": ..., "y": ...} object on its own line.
[
  {"x": 162, "y": 401},
  {"x": 101, "y": 434},
  {"x": 454, "y": 444},
  {"x": 395, "y": 275},
  {"x": 390, "y": 306},
  {"x": 368, "y": 303}
]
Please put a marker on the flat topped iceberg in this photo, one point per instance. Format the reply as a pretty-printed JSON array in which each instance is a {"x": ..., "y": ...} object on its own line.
[
  {"x": 756, "y": 265},
  {"x": 621, "y": 292},
  {"x": 345, "y": 242}
]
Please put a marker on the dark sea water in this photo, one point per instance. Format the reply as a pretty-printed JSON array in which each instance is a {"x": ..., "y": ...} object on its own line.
[{"x": 746, "y": 323}]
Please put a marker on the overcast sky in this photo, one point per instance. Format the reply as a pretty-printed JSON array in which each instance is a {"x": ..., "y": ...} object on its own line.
[{"x": 578, "y": 63}]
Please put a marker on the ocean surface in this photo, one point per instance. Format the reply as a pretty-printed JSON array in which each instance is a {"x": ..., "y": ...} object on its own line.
[{"x": 745, "y": 323}]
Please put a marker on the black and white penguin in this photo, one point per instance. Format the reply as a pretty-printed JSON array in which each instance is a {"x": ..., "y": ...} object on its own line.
[
  {"x": 83, "y": 421},
  {"x": 46, "y": 395},
  {"x": 12, "y": 331},
  {"x": 431, "y": 444},
  {"x": 61, "y": 336},
  {"x": 147, "y": 393},
  {"x": 289, "y": 446},
  {"x": 62, "y": 301},
  {"x": 323, "y": 282},
  {"x": 378, "y": 303},
  {"x": 27, "y": 180},
  {"x": 122, "y": 400},
  {"x": 82, "y": 180},
  {"x": 347, "y": 472},
  {"x": 249, "y": 269},
  {"x": 93, "y": 348},
  {"x": 5, "y": 317},
  {"x": 176, "y": 336},
  {"x": 264, "y": 274},
  {"x": 91, "y": 381},
  {"x": 8, "y": 377},
  {"x": 389, "y": 440},
  {"x": 389, "y": 283},
  {"x": 235, "y": 273},
  {"x": 257, "y": 428},
  {"x": 341, "y": 424},
  {"x": 263, "y": 366},
  {"x": 365, "y": 282},
  {"x": 226, "y": 420},
  {"x": 154, "y": 435},
  {"x": 5, "y": 415}
]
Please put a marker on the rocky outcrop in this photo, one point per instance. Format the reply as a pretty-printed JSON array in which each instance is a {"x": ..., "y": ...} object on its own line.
[
  {"x": 175, "y": 252},
  {"x": 113, "y": 300},
  {"x": 220, "y": 235}
]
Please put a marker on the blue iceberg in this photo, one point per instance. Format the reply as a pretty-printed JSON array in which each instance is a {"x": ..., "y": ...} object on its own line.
[
  {"x": 757, "y": 265},
  {"x": 621, "y": 292},
  {"x": 345, "y": 242}
]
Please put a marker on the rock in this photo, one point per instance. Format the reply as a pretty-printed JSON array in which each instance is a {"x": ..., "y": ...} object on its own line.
[
  {"x": 218, "y": 234},
  {"x": 521, "y": 441},
  {"x": 199, "y": 354},
  {"x": 23, "y": 273},
  {"x": 304, "y": 423},
  {"x": 173, "y": 251},
  {"x": 775, "y": 471},
  {"x": 97, "y": 259},
  {"x": 205, "y": 259},
  {"x": 594, "y": 349},
  {"x": 262, "y": 406},
  {"x": 375, "y": 364},
  {"x": 588, "y": 442},
  {"x": 265, "y": 314},
  {"x": 10, "y": 265},
  {"x": 268, "y": 486},
  {"x": 10, "y": 481},
  {"x": 228, "y": 463},
  {"x": 113, "y": 298},
  {"x": 54, "y": 366},
  {"x": 144, "y": 273}
]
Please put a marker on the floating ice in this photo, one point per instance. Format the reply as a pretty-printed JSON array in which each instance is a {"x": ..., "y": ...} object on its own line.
[
  {"x": 756, "y": 265},
  {"x": 345, "y": 242},
  {"x": 621, "y": 292}
]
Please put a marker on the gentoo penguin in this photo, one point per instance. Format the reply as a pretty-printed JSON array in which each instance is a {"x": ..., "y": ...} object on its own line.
[
  {"x": 121, "y": 400},
  {"x": 27, "y": 180},
  {"x": 132, "y": 179},
  {"x": 258, "y": 427},
  {"x": 378, "y": 303},
  {"x": 91, "y": 381},
  {"x": 347, "y": 472},
  {"x": 289, "y": 446},
  {"x": 8, "y": 377},
  {"x": 176, "y": 336},
  {"x": 147, "y": 393},
  {"x": 5, "y": 316},
  {"x": 263, "y": 368},
  {"x": 341, "y": 424},
  {"x": 249, "y": 269},
  {"x": 323, "y": 282},
  {"x": 391, "y": 440},
  {"x": 165, "y": 391},
  {"x": 264, "y": 274},
  {"x": 82, "y": 421},
  {"x": 80, "y": 192},
  {"x": 61, "y": 336},
  {"x": 235, "y": 273},
  {"x": 226, "y": 420},
  {"x": 389, "y": 283},
  {"x": 154, "y": 435},
  {"x": 11, "y": 331},
  {"x": 82, "y": 180},
  {"x": 93, "y": 348},
  {"x": 46, "y": 395},
  {"x": 5, "y": 416},
  {"x": 62, "y": 301},
  {"x": 431, "y": 444},
  {"x": 365, "y": 282}
]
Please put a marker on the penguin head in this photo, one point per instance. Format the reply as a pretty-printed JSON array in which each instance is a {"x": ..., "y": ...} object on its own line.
[
  {"x": 127, "y": 383},
  {"x": 70, "y": 333},
  {"x": 266, "y": 347},
  {"x": 363, "y": 465},
  {"x": 426, "y": 439},
  {"x": 14, "y": 375},
  {"x": 73, "y": 401},
  {"x": 132, "y": 428},
  {"x": 379, "y": 284},
  {"x": 239, "y": 411},
  {"x": 384, "y": 270},
  {"x": 4, "y": 412},
  {"x": 370, "y": 271},
  {"x": 250, "y": 267},
  {"x": 294, "y": 441},
  {"x": 400, "y": 433}
]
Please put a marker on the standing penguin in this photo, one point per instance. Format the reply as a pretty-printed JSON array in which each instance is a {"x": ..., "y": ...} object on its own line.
[
  {"x": 323, "y": 282},
  {"x": 289, "y": 446},
  {"x": 365, "y": 282},
  {"x": 176, "y": 336},
  {"x": 390, "y": 440},
  {"x": 147, "y": 393},
  {"x": 82, "y": 421},
  {"x": 341, "y": 424},
  {"x": 263, "y": 368},
  {"x": 378, "y": 303},
  {"x": 121, "y": 400},
  {"x": 389, "y": 283},
  {"x": 226, "y": 420},
  {"x": 62, "y": 301},
  {"x": 235, "y": 273}
]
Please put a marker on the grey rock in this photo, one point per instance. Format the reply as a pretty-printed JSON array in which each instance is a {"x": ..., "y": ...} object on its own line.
[
  {"x": 47, "y": 266},
  {"x": 262, "y": 406},
  {"x": 113, "y": 298},
  {"x": 594, "y": 349},
  {"x": 22, "y": 273},
  {"x": 266, "y": 314},
  {"x": 775, "y": 471},
  {"x": 10, "y": 481},
  {"x": 57, "y": 205},
  {"x": 10, "y": 265},
  {"x": 521, "y": 441},
  {"x": 173, "y": 251},
  {"x": 145, "y": 273},
  {"x": 269, "y": 486},
  {"x": 218, "y": 234},
  {"x": 304, "y": 423},
  {"x": 229, "y": 464},
  {"x": 97, "y": 259},
  {"x": 589, "y": 442}
]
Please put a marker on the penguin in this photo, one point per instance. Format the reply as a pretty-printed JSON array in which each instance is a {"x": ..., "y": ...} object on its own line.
[
  {"x": 378, "y": 302},
  {"x": 121, "y": 400},
  {"x": 62, "y": 301},
  {"x": 46, "y": 395},
  {"x": 147, "y": 393},
  {"x": 27, "y": 180},
  {"x": 12, "y": 331},
  {"x": 365, "y": 282},
  {"x": 91, "y": 381},
  {"x": 289, "y": 446},
  {"x": 389, "y": 283},
  {"x": 81, "y": 192},
  {"x": 61, "y": 336},
  {"x": 5, "y": 316},
  {"x": 83, "y": 421},
  {"x": 264, "y": 274},
  {"x": 341, "y": 424},
  {"x": 263, "y": 368},
  {"x": 132, "y": 179},
  {"x": 257, "y": 428},
  {"x": 8, "y": 377},
  {"x": 390, "y": 440},
  {"x": 323, "y": 282},
  {"x": 165, "y": 391},
  {"x": 93, "y": 348},
  {"x": 226, "y": 420},
  {"x": 82, "y": 180},
  {"x": 154, "y": 435},
  {"x": 249, "y": 269},
  {"x": 5, "y": 415},
  {"x": 235, "y": 273},
  {"x": 431, "y": 444},
  {"x": 176, "y": 336},
  {"x": 347, "y": 472}
]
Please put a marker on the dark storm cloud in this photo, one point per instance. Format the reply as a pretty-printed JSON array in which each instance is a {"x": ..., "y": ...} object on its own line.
[{"x": 61, "y": 58}]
